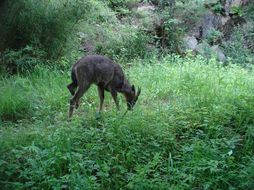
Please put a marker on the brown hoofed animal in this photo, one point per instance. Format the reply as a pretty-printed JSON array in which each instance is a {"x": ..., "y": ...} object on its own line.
[{"x": 107, "y": 75}]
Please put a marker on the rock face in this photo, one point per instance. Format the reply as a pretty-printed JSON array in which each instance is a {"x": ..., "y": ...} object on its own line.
[
  {"x": 220, "y": 23},
  {"x": 210, "y": 21},
  {"x": 223, "y": 22}
]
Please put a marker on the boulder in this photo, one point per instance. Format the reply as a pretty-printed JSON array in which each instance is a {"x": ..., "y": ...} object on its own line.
[
  {"x": 189, "y": 43},
  {"x": 225, "y": 20},
  {"x": 145, "y": 7}
]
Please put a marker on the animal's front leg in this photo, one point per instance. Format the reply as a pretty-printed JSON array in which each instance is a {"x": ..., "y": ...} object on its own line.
[
  {"x": 71, "y": 108},
  {"x": 114, "y": 95}
]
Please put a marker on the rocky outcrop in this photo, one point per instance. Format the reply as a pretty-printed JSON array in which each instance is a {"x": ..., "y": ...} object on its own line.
[
  {"x": 221, "y": 23},
  {"x": 209, "y": 22}
]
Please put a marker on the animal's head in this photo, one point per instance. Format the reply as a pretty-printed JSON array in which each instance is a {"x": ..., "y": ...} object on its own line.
[{"x": 132, "y": 97}]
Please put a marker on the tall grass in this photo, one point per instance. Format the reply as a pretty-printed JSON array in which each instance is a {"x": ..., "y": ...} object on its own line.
[
  {"x": 14, "y": 98},
  {"x": 192, "y": 128},
  {"x": 39, "y": 93}
]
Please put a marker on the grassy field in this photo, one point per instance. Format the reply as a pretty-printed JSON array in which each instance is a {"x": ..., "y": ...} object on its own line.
[{"x": 192, "y": 128}]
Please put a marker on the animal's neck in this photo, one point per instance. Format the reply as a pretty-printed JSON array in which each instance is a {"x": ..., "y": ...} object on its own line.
[
  {"x": 128, "y": 92},
  {"x": 126, "y": 88}
]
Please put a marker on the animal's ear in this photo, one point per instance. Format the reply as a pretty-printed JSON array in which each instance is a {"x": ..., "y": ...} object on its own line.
[
  {"x": 133, "y": 88},
  {"x": 138, "y": 93}
]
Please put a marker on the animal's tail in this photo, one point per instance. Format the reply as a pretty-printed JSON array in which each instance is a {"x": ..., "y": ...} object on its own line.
[
  {"x": 74, "y": 78},
  {"x": 72, "y": 87}
]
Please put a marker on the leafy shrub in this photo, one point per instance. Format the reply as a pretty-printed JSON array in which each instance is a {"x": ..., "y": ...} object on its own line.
[
  {"x": 214, "y": 36},
  {"x": 115, "y": 39},
  {"x": 173, "y": 33},
  {"x": 237, "y": 10},
  {"x": 128, "y": 45},
  {"x": 169, "y": 34},
  {"x": 217, "y": 8},
  {"x": 237, "y": 47},
  {"x": 122, "y": 6},
  {"x": 22, "y": 60},
  {"x": 248, "y": 12}
]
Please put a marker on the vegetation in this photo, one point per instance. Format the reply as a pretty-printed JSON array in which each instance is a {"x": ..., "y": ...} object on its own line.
[{"x": 192, "y": 127}]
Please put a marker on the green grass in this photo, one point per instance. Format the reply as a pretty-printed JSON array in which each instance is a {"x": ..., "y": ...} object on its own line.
[{"x": 192, "y": 128}]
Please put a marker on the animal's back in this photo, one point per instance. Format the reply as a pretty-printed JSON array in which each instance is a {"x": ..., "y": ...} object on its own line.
[{"x": 97, "y": 69}]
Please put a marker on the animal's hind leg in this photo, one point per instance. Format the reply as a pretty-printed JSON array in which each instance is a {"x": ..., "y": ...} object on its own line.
[
  {"x": 75, "y": 99},
  {"x": 72, "y": 87},
  {"x": 101, "y": 95}
]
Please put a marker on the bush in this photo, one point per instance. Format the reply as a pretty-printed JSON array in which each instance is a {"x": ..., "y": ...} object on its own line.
[
  {"x": 214, "y": 36},
  {"x": 44, "y": 24},
  {"x": 36, "y": 31},
  {"x": 237, "y": 47},
  {"x": 22, "y": 60},
  {"x": 113, "y": 38},
  {"x": 130, "y": 44},
  {"x": 122, "y": 6}
]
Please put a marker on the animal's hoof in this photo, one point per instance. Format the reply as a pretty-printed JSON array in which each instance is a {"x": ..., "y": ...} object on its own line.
[
  {"x": 97, "y": 115},
  {"x": 71, "y": 109}
]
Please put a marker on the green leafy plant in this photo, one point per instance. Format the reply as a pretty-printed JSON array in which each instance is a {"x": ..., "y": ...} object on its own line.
[
  {"x": 217, "y": 8},
  {"x": 237, "y": 10},
  {"x": 214, "y": 36}
]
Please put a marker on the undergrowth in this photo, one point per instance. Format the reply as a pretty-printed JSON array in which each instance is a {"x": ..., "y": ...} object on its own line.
[{"x": 192, "y": 128}]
